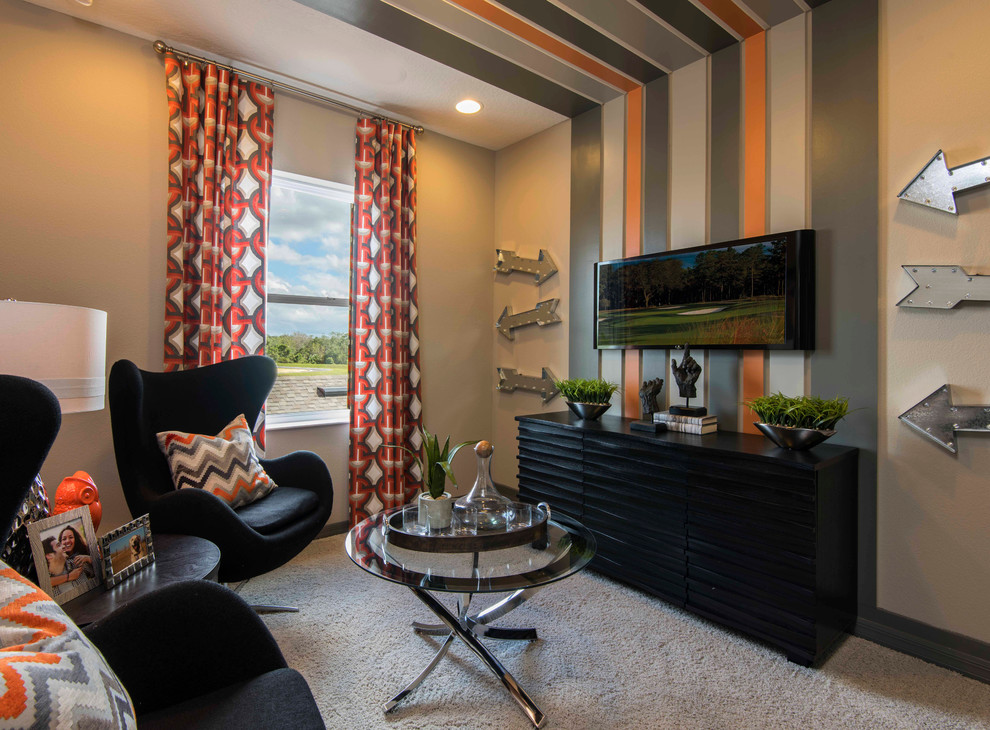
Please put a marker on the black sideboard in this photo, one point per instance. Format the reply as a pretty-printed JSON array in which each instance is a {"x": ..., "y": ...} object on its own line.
[{"x": 726, "y": 525}]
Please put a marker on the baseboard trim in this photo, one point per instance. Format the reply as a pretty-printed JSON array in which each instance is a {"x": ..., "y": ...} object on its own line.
[
  {"x": 945, "y": 648},
  {"x": 332, "y": 528}
]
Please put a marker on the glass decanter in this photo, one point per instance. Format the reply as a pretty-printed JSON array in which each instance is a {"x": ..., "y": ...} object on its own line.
[{"x": 484, "y": 500}]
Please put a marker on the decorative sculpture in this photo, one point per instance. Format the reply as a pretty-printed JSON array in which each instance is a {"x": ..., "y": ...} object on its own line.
[
  {"x": 935, "y": 417},
  {"x": 510, "y": 380},
  {"x": 936, "y": 185},
  {"x": 686, "y": 375},
  {"x": 943, "y": 287},
  {"x": 77, "y": 491},
  {"x": 648, "y": 397},
  {"x": 545, "y": 313},
  {"x": 542, "y": 268},
  {"x": 648, "y": 403}
]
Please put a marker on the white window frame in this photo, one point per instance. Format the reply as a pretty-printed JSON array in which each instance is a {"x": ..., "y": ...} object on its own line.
[{"x": 331, "y": 191}]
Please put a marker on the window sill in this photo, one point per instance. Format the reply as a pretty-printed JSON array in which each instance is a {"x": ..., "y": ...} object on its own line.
[{"x": 286, "y": 421}]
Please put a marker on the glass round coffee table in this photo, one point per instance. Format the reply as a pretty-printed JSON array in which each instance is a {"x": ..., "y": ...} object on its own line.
[{"x": 523, "y": 570}]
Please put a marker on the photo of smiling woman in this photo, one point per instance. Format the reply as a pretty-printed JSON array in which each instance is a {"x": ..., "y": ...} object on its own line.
[{"x": 64, "y": 548}]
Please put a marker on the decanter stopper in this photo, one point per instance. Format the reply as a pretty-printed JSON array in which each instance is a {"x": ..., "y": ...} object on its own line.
[{"x": 484, "y": 500}]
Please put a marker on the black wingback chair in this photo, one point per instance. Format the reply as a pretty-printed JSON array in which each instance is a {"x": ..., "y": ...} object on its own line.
[
  {"x": 253, "y": 539},
  {"x": 241, "y": 680}
]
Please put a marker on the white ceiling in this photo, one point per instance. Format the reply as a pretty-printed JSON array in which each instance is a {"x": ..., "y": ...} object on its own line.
[{"x": 290, "y": 42}]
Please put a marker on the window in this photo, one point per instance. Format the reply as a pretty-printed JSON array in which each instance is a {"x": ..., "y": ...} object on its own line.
[{"x": 309, "y": 244}]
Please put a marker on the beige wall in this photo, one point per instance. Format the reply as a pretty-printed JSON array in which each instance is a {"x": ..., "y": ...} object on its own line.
[
  {"x": 532, "y": 211},
  {"x": 82, "y": 200},
  {"x": 933, "y": 540},
  {"x": 82, "y": 221},
  {"x": 454, "y": 256}
]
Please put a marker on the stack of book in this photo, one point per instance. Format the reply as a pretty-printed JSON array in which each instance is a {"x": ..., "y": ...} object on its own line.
[{"x": 687, "y": 424}]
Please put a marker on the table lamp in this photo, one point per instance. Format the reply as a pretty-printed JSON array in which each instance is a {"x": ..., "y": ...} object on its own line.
[{"x": 64, "y": 348}]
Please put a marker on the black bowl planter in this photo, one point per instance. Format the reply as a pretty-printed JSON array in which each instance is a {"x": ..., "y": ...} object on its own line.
[
  {"x": 588, "y": 411},
  {"x": 796, "y": 439}
]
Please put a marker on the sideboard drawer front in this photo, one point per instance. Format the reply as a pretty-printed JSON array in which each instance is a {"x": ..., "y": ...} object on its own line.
[
  {"x": 658, "y": 581},
  {"x": 548, "y": 433},
  {"x": 773, "y": 535},
  {"x": 797, "y": 642},
  {"x": 725, "y": 573}
]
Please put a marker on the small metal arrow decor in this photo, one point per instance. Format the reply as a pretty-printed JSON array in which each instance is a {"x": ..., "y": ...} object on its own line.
[
  {"x": 936, "y": 418},
  {"x": 543, "y": 267},
  {"x": 943, "y": 287},
  {"x": 936, "y": 185},
  {"x": 544, "y": 314},
  {"x": 510, "y": 380}
]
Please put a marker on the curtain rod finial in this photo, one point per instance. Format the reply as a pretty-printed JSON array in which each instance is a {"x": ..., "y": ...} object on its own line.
[{"x": 160, "y": 47}]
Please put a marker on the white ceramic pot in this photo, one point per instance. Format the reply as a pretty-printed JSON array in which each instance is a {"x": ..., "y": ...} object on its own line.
[{"x": 435, "y": 513}]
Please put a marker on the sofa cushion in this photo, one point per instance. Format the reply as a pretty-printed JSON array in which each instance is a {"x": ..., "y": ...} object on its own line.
[
  {"x": 224, "y": 465},
  {"x": 283, "y": 507},
  {"x": 50, "y": 673}
]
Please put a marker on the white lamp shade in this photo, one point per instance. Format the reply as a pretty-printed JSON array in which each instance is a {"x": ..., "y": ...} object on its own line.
[{"x": 63, "y": 347}]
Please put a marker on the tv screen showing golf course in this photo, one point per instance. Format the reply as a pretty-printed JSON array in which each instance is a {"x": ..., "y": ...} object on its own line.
[{"x": 756, "y": 293}]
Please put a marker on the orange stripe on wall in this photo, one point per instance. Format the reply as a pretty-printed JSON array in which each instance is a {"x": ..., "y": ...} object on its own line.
[
  {"x": 634, "y": 238},
  {"x": 754, "y": 187},
  {"x": 733, "y": 16},
  {"x": 522, "y": 29},
  {"x": 755, "y": 135}
]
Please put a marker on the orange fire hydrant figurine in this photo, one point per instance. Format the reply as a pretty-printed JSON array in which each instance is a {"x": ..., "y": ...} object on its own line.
[{"x": 76, "y": 491}]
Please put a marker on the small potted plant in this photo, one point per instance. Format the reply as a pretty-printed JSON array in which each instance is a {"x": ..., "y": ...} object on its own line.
[
  {"x": 588, "y": 399},
  {"x": 798, "y": 422},
  {"x": 435, "y": 503}
]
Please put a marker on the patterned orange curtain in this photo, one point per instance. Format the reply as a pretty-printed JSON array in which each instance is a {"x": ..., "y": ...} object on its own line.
[
  {"x": 219, "y": 180},
  {"x": 383, "y": 365}
]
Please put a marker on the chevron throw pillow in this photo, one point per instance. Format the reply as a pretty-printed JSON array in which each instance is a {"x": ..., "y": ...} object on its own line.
[
  {"x": 224, "y": 465},
  {"x": 50, "y": 674}
]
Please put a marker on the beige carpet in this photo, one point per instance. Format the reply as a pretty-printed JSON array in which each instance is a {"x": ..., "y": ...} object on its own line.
[{"x": 608, "y": 657}]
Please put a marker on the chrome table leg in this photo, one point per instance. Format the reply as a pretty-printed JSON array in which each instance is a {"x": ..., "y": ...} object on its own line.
[
  {"x": 533, "y": 712},
  {"x": 391, "y": 704},
  {"x": 478, "y": 622}
]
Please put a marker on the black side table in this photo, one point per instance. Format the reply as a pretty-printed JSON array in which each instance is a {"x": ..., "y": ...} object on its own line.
[{"x": 177, "y": 558}]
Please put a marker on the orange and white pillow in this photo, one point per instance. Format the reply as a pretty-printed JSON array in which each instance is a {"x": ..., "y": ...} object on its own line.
[
  {"x": 225, "y": 465},
  {"x": 50, "y": 673}
]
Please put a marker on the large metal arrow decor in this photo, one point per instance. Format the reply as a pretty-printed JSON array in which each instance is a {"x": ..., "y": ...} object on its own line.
[
  {"x": 544, "y": 314},
  {"x": 510, "y": 380},
  {"x": 943, "y": 287},
  {"x": 936, "y": 418},
  {"x": 543, "y": 267},
  {"x": 936, "y": 185}
]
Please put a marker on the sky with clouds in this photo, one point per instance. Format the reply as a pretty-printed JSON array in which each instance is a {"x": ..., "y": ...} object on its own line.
[{"x": 308, "y": 253}]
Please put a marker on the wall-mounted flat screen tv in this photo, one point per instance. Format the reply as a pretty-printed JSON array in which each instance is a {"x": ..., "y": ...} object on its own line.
[{"x": 755, "y": 293}]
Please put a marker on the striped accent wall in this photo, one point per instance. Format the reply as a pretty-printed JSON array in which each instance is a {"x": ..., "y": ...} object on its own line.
[{"x": 716, "y": 150}]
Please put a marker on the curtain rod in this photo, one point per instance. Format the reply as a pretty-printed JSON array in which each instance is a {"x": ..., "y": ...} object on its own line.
[{"x": 161, "y": 48}]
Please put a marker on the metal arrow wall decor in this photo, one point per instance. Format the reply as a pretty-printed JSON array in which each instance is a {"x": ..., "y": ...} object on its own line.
[
  {"x": 510, "y": 380},
  {"x": 544, "y": 314},
  {"x": 936, "y": 185},
  {"x": 936, "y": 418},
  {"x": 542, "y": 268},
  {"x": 943, "y": 287}
]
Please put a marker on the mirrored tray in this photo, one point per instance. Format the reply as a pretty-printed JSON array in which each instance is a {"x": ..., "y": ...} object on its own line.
[{"x": 448, "y": 542}]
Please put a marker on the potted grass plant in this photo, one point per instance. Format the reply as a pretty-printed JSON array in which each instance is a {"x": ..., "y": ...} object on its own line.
[
  {"x": 798, "y": 422},
  {"x": 435, "y": 502},
  {"x": 588, "y": 399}
]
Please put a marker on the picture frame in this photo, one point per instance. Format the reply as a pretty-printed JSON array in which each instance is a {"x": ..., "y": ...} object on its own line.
[
  {"x": 66, "y": 554},
  {"x": 126, "y": 550}
]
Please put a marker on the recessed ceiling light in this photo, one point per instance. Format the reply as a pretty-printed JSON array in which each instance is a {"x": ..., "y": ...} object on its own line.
[
  {"x": 87, "y": 3},
  {"x": 468, "y": 106}
]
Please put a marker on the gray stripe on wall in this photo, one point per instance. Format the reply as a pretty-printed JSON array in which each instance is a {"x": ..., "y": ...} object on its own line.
[
  {"x": 656, "y": 141},
  {"x": 774, "y": 11},
  {"x": 586, "y": 233},
  {"x": 723, "y": 217},
  {"x": 844, "y": 204}
]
